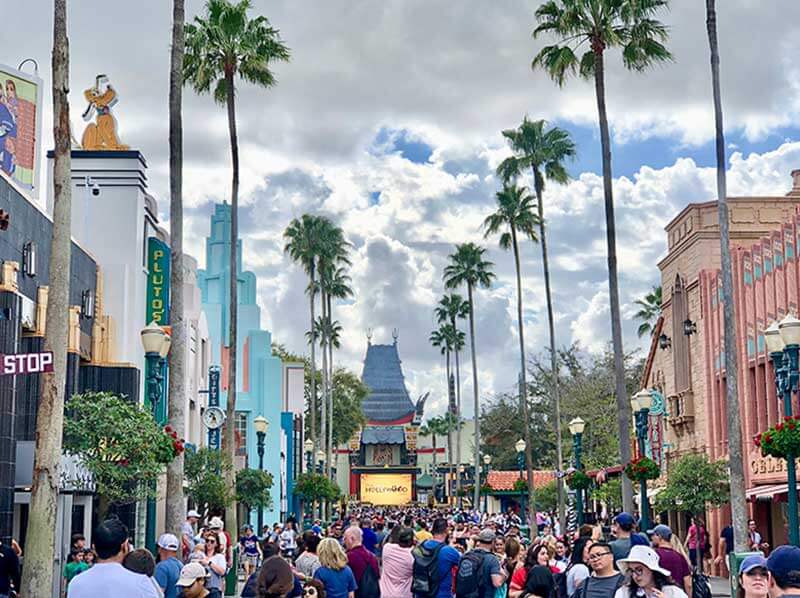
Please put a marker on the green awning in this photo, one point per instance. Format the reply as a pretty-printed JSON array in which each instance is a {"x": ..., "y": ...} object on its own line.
[{"x": 425, "y": 481}]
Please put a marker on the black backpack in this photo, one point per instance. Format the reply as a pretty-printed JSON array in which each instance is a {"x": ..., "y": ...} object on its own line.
[
  {"x": 560, "y": 580},
  {"x": 368, "y": 585},
  {"x": 426, "y": 579},
  {"x": 469, "y": 577}
]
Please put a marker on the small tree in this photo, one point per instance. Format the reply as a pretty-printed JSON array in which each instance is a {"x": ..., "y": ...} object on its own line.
[
  {"x": 316, "y": 487},
  {"x": 253, "y": 489},
  {"x": 546, "y": 497},
  {"x": 694, "y": 485},
  {"x": 120, "y": 444},
  {"x": 610, "y": 494},
  {"x": 205, "y": 472}
]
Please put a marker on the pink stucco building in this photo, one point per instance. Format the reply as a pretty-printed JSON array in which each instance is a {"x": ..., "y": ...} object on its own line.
[{"x": 686, "y": 363}]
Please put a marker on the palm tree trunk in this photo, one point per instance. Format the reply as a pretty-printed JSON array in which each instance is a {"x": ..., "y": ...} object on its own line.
[
  {"x": 229, "y": 440},
  {"x": 313, "y": 407},
  {"x": 451, "y": 407},
  {"x": 458, "y": 415},
  {"x": 175, "y": 508},
  {"x": 331, "y": 447},
  {"x": 477, "y": 450},
  {"x": 37, "y": 575},
  {"x": 738, "y": 508},
  {"x": 523, "y": 394},
  {"x": 324, "y": 414},
  {"x": 623, "y": 407},
  {"x": 553, "y": 355}
]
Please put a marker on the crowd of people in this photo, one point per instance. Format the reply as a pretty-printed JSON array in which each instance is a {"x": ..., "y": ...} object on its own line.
[{"x": 416, "y": 553}]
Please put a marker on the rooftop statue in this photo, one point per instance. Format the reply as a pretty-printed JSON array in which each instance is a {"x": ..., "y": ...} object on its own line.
[{"x": 102, "y": 134}]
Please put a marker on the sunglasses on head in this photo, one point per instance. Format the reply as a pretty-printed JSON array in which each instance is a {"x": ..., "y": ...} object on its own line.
[{"x": 310, "y": 591}]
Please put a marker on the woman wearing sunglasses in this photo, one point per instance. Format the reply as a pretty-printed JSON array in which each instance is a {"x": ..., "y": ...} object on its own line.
[
  {"x": 753, "y": 577},
  {"x": 214, "y": 561},
  {"x": 647, "y": 578}
]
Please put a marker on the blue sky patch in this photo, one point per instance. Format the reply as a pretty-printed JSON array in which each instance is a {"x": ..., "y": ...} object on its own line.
[
  {"x": 400, "y": 140},
  {"x": 374, "y": 198}
]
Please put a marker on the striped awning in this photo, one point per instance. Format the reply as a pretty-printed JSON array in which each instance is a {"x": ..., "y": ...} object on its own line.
[{"x": 767, "y": 492}]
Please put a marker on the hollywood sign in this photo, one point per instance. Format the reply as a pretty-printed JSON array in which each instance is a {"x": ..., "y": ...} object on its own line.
[{"x": 26, "y": 363}]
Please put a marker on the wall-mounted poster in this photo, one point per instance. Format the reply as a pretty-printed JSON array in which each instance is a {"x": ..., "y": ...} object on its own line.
[{"x": 20, "y": 127}]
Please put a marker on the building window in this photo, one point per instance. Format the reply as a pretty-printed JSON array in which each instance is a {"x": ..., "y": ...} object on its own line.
[
  {"x": 240, "y": 433},
  {"x": 680, "y": 341}
]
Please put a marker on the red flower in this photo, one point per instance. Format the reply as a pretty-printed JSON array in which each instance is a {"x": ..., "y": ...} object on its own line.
[
  {"x": 174, "y": 435},
  {"x": 779, "y": 427},
  {"x": 787, "y": 418},
  {"x": 767, "y": 440},
  {"x": 168, "y": 428},
  {"x": 124, "y": 462},
  {"x": 791, "y": 425}
]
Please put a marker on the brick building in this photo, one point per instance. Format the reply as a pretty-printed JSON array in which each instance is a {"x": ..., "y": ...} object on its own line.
[{"x": 686, "y": 363}]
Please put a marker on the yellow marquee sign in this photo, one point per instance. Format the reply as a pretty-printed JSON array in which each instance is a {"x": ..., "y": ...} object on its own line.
[{"x": 386, "y": 489}]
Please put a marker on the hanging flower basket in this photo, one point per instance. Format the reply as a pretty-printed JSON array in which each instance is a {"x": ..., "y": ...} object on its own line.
[
  {"x": 521, "y": 485},
  {"x": 169, "y": 446},
  {"x": 578, "y": 480},
  {"x": 782, "y": 439},
  {"x": 486, "y": 489},
  {"x": 642, "y": 468}
]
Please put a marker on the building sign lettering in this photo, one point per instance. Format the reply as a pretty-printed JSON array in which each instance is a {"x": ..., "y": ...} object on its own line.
[
  {"x": 26, "y": 363},
  {"x": 766, "y": 469},
  {"x": 158, "y": 257},
  {"x": 386, "y": 489},
  {"x": 213, "y": 401}
]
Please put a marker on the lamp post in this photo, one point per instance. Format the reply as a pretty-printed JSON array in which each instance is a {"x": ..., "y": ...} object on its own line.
[
  {"x": 640, "y": 405},
  {"x": 308, "y": 445},
  {"x": 576, "y": 427},
  {"x": 156, "y": 343},
  {"x": 261, "y": 425},
  {"x": 487, "y": 460},
  {"x": 320, "y": 460},
  {"x": 783, "y": 344},
  {"x": 520, "y": 446}
]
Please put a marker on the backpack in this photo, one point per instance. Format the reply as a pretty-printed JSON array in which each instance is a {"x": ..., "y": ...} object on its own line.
[
  {"x": 426, "y": 579},
  {"x": 469, "y": 577},
  {"x": 560, "y": 580},
  {"x": 368, "y": 586}
]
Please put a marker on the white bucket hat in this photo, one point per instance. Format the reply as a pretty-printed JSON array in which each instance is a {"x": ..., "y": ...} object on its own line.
[{"x": 643, "y": 555}]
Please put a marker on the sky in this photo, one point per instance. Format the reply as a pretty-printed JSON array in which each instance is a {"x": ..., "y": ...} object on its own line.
[{"x": 387, "y": 119}]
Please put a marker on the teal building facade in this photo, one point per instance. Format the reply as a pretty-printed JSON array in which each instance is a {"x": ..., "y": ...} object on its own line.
[{"x": 258, "y": 371}]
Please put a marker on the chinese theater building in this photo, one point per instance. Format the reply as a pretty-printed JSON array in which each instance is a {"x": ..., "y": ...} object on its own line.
[
  {"x": 686, "y": 363},
  {"x": 382, "y": 456}
]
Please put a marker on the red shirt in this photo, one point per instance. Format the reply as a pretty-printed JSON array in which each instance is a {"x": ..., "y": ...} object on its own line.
[
  {"x": 359, "y": 558},
  {"x": 675, "y": 563}
]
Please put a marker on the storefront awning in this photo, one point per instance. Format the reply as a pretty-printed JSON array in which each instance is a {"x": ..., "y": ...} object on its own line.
[
  {"x": 767, "y": 492},
  {"x": 425, "y": 481},
  {"x": 383, "y": 435}
]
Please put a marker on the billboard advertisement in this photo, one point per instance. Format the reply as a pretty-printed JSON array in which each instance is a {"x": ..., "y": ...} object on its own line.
[
  {"x": 20, "y": 127},
  {"x": 386, "y": 488}
]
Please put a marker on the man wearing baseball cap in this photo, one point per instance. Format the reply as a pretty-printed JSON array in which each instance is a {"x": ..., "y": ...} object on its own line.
[
  {"x": 670, "y": 559},
  {"x": 168, "y": 569},
  {"x": 479, "y": 568},
  {"x": 187, "y": 533},
  {"x": 784, "y": 571},
  {"x": 192, "y": 581},
  {"x": 622, "y": 528}
]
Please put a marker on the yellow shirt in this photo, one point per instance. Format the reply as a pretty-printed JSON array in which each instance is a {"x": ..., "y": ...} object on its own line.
[{"x": 423, "y": 535}]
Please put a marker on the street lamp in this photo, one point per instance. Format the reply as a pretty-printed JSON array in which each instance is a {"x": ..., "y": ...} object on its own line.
[
  {"x": 520, "y": 446},
  {"x": 308, "y": 446},
  {"x": 261, "y": 426},
  {"x": 783, "y": 344},
  {"x": 156, "y": 343},
  {"x": 487, "y": 460},
  {"x": 576, "y": 427},
  {"x": 640, "y": 404},
  {"x": 320, "y": 459}
]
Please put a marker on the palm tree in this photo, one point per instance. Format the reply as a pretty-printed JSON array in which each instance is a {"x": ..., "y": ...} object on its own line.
[
  {"x": 467, "y": 267},
  {"x": 543, "y": 151},
  {"x": 221, "y": 45},
  {"x": 515, "y": 216},
  {"x": 738, "y": 508},
  {"x": 435, "y": 426},
  {"x": 649, "y": 312},
  {"x": 41, "y": 537},
  {"x": 603, "y": 24},
  {"x": 175, "y": 507},
  {"x": 302, "y": 246},
  {"x": 452, "y": 308}
]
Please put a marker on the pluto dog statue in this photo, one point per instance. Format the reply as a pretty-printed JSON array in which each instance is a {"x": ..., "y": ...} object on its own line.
[{"x": 102, "y": 134}]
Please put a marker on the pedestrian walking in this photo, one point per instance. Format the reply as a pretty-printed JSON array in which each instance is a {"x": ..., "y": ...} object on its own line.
[
  {"x": 141, "y": 561},
  {"x": 578, "y": 569},
  {"x": 784, "y": 572},
  {"x": 670, "y": 559},
  {"x": 648, "y": 579},
  {"x": 605, "y": 580},
  {"x": 187, "y": 534},
  {"x": 192, "y": 581},
  {"x": 249, "y": 550},
  {"x": 9, "y": 570},
  {"x": 108, "y": 577},
  {"x": 437, "y": 561},
  {"x": 168, "y": 569},
  {"x": 696, "y": 540},
  {"x": 753, "y": 578},
  {"x": 76, "y": 564},
  {"x": 335, "y": 574},
  {"x": 214, "y": 562},
  {"x": 398, "y": 565},
  {"x": 363, "y": 563},
  {"x": 622, "y": 528},
  {"x": 308, "y": 561},
  {"x": 479, "y": 572}
]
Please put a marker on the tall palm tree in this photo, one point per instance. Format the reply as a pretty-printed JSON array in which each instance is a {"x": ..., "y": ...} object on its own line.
[
  {"x": 302, "y": 246},
  {"x": 649, "y": 312},
  {"x": 435, "y": 426},
  {"x": 225, "y": 43},
  {"x": 602, "y": 24},
  {"x": 543, "y": 151},
  {"x": 738, "y": 507},
  {"x": 175, "y": 508},
  {"x": 37, "y": 575},
  {"x": 468, "y": 267},
  {"x": 515, "y": 216},
  {"x": 452, "y": 308}
]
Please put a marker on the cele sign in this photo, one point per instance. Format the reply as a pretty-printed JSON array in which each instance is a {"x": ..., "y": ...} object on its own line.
[{"x": 26, "y": 363}]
